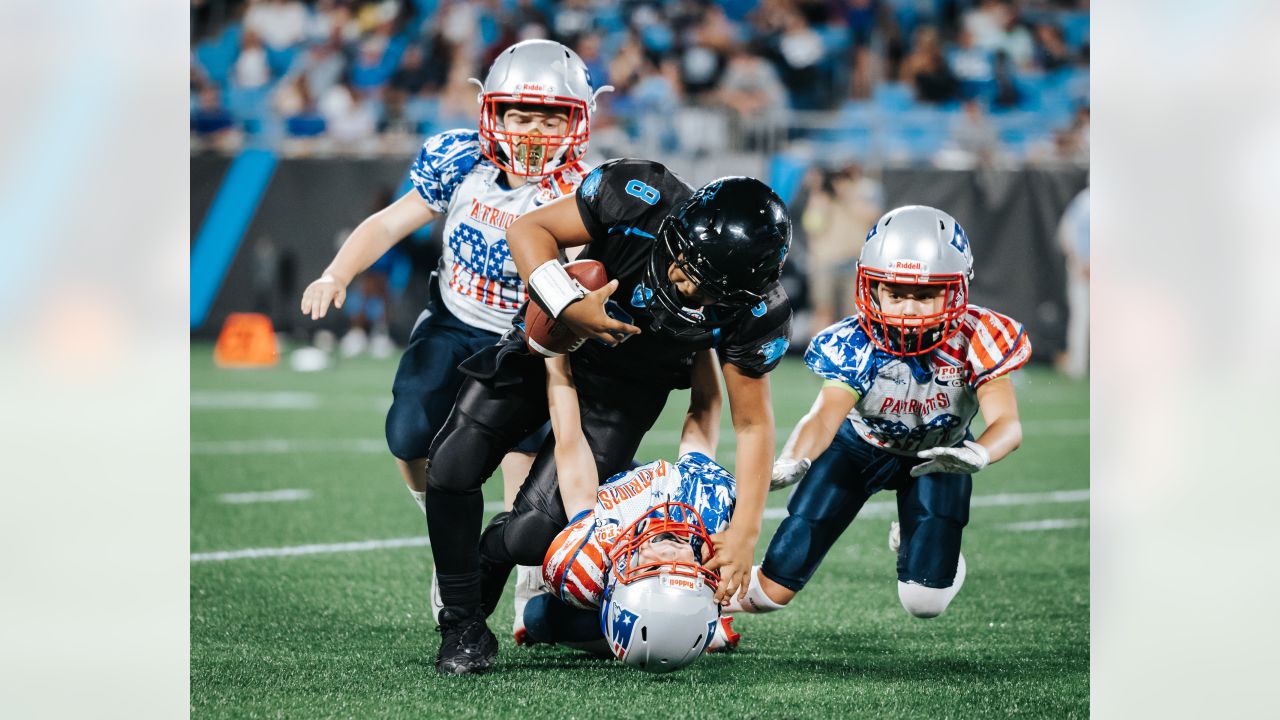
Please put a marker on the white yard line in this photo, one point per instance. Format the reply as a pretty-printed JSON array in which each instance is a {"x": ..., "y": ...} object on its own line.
[
  {"x": 871, "y": 509},
  {"x": 243, "y": 400},
  {"x": 1054, "y": 524},
  {"x": 282, "y": 446},
  {"x": 361, "y": 546},
  {"x": 245, "y": 498}
]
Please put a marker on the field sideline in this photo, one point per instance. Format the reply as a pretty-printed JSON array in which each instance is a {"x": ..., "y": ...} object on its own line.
[{"x": 329, "y": 617}]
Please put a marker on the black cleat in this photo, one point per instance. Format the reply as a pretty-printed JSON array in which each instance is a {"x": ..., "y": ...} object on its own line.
[{"x": 467, "y": 646}]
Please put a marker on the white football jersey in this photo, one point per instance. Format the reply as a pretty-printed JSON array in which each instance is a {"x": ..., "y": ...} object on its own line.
[
  {"x": 577, "y": 564},
  {"x": 907, "y": 404},
  {"x": 478, "y": 278}
]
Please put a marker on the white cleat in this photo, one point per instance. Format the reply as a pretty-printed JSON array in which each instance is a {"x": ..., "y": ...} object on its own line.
[
  {"x": 436, "y": 603},
  {"x": 895, "y": 535},
  {"x": 528, "y": 585}
]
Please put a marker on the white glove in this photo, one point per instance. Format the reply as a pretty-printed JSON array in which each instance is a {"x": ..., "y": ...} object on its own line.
[
  {"x": 964, "y": 460},
  {"x": 788, "y": 471}
]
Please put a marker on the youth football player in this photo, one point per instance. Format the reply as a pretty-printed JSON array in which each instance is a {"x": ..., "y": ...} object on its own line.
[
  {"x": 536, "y": 103},
  {"x": 690, "y": 271},
  {"x": 632, "y": 561},
  {"x": 903, "y": 380}
]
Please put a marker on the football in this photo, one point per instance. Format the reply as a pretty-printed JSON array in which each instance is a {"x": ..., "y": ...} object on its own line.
[{"x": 542, "y": 333}]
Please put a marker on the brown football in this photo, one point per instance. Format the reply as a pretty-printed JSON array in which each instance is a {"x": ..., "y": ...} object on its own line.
[{"x": 543, "y": 334}]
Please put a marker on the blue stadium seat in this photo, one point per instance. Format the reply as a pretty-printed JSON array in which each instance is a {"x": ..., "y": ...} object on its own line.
[
  {"x": 219, "y": 54},
  {"x": 281, "y": 60},
  {"x": 249, "y": 106},
  {"x": 893, "y": 97},
  {"x": 1075, "y": 28},
  {"x": 835, "y": 39},
  {"x": 306, "y": 125}
]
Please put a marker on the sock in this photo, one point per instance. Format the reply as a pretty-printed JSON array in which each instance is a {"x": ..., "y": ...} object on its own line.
[
  {"x": 756, "y": 600},
  {"x": 420, "y": 498},
  {"x": 460, "y": 590}
]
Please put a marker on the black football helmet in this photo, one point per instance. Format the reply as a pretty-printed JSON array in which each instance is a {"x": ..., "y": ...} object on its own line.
[{"x": 730, "y": 237}]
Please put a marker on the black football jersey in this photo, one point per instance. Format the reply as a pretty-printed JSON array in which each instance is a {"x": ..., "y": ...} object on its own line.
[{"x": 623, "y": 203}]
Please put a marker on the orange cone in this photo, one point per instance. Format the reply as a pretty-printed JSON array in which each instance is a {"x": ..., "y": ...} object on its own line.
[{"x": 247, "y": 340}]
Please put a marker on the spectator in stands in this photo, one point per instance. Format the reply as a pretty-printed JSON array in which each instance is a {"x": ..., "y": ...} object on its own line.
[
  {"x": 588, "y": 48},
  {"x": 251, "y": 70},
  {"x": 347, "y": 116},
  {"x": 655, "y": 101},
  {"x": 627, "y": 65},
  {"x": 839, "y": 213},
  {"x": 972, "y": 65},
  {"x": 861, "y": 17},
  {"x": 986, "y": 24},
  {"x": 458, "y": 106},
  {"x": 800, "y": 49},
  {"x": 324, "y": 67},
  {"x": 751, "y": 89},
  {"x": 925, "y": 69},
  {"x": 573, "y": 19},
  {"x": 974, "y": 139},
  {"x": 868, "y": 71},
  {"x": 374, "y": 64},
  {"x": 1007, "y": 95},
  {"x": 1015, "y": 39},
  {"x": 704, "y": 56},
  {"x": 280, "y": 23},
  {"x": 1051, "y": 51},
  {"x": 1073, "y": 238}
]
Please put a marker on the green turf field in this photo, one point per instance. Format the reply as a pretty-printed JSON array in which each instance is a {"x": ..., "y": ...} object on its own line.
[{"x": 341, "y": 630}]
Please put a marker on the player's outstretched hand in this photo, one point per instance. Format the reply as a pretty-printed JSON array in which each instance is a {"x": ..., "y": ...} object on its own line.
[
  {"x": 788, "y": 471},
  {"x": 732, "y": 559},
  {"x": 965, "y": 460},
  {"x": 587, "y": 318},
  {"x": 318, "y": 295}
]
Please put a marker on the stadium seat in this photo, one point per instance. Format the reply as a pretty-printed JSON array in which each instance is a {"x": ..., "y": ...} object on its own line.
[
  {"x": 306, "y": 125},
  {"x": 1075, "y": 29},
  {"x": 219, "y": 54},
  {"x": 893, "y": 97},
  {"x": 249, "y": 106}
]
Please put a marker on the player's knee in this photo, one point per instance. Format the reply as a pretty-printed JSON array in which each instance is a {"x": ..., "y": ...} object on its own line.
[
  {"x": 451, "y": 479},
  {"x": 923, "y": 601},
  {"x": 528, "y": 537},
  {"x": 408, "y": 436}
]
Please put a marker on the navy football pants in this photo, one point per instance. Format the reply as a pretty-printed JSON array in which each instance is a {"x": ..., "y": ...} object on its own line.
[
  {"x": 932, "y": 510},
  {"x": 427, "y": 383}
]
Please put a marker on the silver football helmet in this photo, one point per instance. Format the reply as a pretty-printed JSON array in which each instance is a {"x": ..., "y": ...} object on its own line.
[
  {"x": 914, "y": 245},
  {"x": 660, "y": 616},
  {"x": 540, "y": 73}
]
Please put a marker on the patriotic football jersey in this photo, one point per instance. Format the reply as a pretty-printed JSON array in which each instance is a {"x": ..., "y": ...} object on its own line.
[
  {"x": 478, "y": 278},
  {"x": 906, "y": 404},
  {"x": 577, "y": 565}
]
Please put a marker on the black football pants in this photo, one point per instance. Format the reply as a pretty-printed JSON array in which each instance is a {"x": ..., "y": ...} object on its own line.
[{"x": 492, "y": 414}]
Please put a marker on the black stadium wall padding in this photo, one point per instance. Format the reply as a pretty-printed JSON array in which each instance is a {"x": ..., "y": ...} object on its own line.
[{"x": 1011, "y": 217}]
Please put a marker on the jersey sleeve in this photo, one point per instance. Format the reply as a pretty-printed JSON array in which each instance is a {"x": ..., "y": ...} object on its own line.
[
  {"x": 757, "y": 344},
  {"x": 842, "y": 353},
  {"x": 442, "y": 164},
  {"x": 708, "y": 488},
  {"x": 998, "y": 345},
  {"x": 574, "y": 567},
  {"x": 620, "y": 195}
]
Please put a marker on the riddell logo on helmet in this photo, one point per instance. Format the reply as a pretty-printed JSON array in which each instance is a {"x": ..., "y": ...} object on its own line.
[
  {"x": 532, "y": 89},
  {"x": 909, "y": 266},
  {"x": 679, "y": 582}
]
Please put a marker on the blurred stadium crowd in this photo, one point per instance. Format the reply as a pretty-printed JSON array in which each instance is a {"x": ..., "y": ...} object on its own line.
[{"x": 945, "y": 83}]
